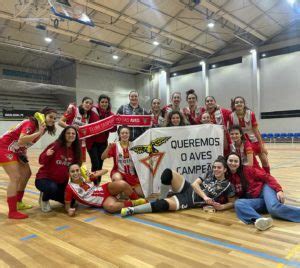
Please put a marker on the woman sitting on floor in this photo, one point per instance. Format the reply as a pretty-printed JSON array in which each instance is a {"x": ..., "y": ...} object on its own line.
[
  {"x": 214, "y": 189},
  {"x": 85, "y": 192},
  {"x": 259, "y": 192}
]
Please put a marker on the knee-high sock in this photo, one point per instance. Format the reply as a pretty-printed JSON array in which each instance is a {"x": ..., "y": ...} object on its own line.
[
  {"x": 145, "y": 208},
  {"x": 164, "y": 190},
  {"x": 20, "y": 195}
]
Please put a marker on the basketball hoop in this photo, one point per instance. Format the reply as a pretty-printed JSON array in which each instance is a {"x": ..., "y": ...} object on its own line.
[{"x": 72, "y": 12}]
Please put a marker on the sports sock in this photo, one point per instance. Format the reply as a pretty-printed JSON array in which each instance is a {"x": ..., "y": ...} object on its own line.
[
  {"x": 12, "y": 206},
  {"x": 145, "y": 208},
  {"x": 164, "y": 190},
  {"x": 20, "y": 195}
]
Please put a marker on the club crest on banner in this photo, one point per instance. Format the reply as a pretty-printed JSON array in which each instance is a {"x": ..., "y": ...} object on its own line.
[{"x": 154, "y": 158}]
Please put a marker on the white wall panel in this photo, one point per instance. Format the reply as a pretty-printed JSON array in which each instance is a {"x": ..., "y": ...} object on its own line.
[{"x": 280, "y": 82}]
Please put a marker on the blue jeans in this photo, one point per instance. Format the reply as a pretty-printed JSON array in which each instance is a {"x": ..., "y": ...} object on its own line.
[{"x": 248, "y": 210}]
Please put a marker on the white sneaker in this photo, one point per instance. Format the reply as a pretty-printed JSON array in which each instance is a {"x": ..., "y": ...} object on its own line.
[
  {"x": 263, "y": 224},
  {"x": 45, "y": 205}
]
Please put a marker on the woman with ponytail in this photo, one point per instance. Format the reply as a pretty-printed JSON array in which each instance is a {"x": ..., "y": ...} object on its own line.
[{"x": 13, "y": 156}]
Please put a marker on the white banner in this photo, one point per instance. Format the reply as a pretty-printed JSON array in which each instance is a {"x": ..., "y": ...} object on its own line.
[{"x": 189, "y": 150}]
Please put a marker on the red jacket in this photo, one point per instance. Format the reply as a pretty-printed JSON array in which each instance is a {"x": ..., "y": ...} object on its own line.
[
  {"x": 98, "y": 114},
  {"x": 256, "y": 179},
  {"x": 55, "y": 167}
]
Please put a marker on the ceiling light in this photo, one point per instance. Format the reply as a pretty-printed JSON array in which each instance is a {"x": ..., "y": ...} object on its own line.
[
  {"x": 115, "y": 57},
  {"x": 291, "y": 2},
  {"x": 174, "y": 74},
  {"x": 202, "y": 62},
  {"x": 264, "y": 54},
  {"x": 48, "y": 39},
  {"x": 155, "y": 43},
  {"x": 214, "y": 66},
  {"x": 211, "y": 24}
]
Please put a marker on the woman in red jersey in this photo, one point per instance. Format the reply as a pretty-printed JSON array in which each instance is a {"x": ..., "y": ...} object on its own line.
[
  {"x": 192, "y": 113},
  {"x": 158, "y": 119},
  {"x": 98, "y": 143},
  {"x": 78, "y": 116},
  {"x": 123, "y": 168},
  {"x": 13, "y": 157},
  {"x": 105, "y": 195},
  {"x": 242, "y": 146},
  {"x": 259, "y": 192},
  {"x": 241, "y": 115},
  {"x": 52, "y": 177},
  {"x": 174, "y": 105},
  {"x": 218, "y": 115}
]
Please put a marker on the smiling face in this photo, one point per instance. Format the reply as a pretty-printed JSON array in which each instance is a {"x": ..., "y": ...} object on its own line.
[
  {"x": 205, "y": 118},
  {"x": 87, "y": 104},
  {"x": 239, "y": 104},
  {"x": 155, "y": 105},
  {"x": 210, "y": 103},
  {"x": 124, "y": 134},
  {"x": 50, "y": 119},
  {"x": 176, "y": 99},
  {"x": 70, "y": 135},
  {"x": 175, "y": 120},
  {"x": 134, "y": 98},
  {"x": 192, "y": 100},
  {"x": 235, "y": 135},
  {"x": 74, "y": 172},
  {"x": 103, "y": 104},
  {"x": 219, "y": 170},
  {"x": 233, "y": 162}
]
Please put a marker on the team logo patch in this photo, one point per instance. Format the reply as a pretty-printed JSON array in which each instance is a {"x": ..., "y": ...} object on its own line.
[
  {"x": 9, "y": 156},
  {"x": 28, "y": 130},
  {"x": 154, "y": 158}
]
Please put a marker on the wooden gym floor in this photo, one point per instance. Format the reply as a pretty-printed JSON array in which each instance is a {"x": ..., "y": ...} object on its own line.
[{"x": 190, "y": 238}]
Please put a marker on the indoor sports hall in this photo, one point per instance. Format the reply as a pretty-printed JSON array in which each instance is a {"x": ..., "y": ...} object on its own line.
[{"x": 150, "y": 133}]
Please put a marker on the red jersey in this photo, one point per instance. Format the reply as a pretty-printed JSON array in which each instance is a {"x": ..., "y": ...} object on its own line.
[
  {"x": 194, "y": 117},
  {"x": 9, "y": 140},
  {"x": 256, "y": 179},
  {"x": 219, "y": 116},
  {"x": 169, "y": 108},
  {"x": 98, "y": 114},
  {"x": 87, "y": 193},
  {"x": 55, "y": 167},
  {"x": 243, "y": 150},
  {"x": 122, "y": 159},
  {"x": 74, "y": 117},
  {"x": 157, "y": 120},
  {"x": 247, "y": 123}
]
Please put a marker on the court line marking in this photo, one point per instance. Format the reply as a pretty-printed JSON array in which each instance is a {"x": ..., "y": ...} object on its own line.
[
  {"x": 25, "y": 238},
  {"x": 60, "y": 228},
  {"x": 292, "y": 252},
  {"x": 90, "y": 219},
  {"x": 207, "y": 240},
  {"x": 190, "y": 235}
]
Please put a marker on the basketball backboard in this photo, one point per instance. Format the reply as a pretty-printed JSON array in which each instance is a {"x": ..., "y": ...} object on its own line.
[{"x": 69, "y": 10}]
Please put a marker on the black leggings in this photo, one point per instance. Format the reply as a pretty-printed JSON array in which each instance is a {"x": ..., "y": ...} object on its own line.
[
  {"x": 95, "y": 154},
  {"x": 51, "y": 189}
]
